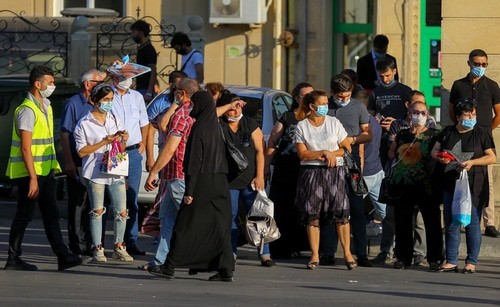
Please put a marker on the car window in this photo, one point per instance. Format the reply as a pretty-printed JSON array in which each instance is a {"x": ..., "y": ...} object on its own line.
[
  {"x": 281, "y": 104},
  {"x": 253, "y": 108}
]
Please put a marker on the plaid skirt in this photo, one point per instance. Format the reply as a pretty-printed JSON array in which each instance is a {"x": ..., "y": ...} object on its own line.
[{"x": 322, "y": 194}]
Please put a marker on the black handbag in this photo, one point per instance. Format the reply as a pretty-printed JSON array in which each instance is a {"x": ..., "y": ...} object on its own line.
[
  {"x": 389, "y": 193},
  {"x": 235, "y": 155},
  {"x": 354, "y": 176}
]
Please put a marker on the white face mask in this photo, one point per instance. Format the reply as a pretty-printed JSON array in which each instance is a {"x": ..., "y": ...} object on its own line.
[
  {"x": 418, "y": 120},
  {"x": 48, "y": 91},
  {"x": 125, "y": 84},
  {"x": 234, "y": 119}
]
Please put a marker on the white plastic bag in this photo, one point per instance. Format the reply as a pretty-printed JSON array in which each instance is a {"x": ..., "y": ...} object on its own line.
[
  {"x": 461, "y": 207},
  {"x": 262, "y": 205},
  {"x": 261, "y": 227}
]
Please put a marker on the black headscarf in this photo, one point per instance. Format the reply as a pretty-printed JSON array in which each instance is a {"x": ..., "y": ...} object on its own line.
[{"x": 205, "y": 149}]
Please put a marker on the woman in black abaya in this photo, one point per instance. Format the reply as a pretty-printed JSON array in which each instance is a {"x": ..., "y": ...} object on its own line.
[{"x": 201, "y": 237}]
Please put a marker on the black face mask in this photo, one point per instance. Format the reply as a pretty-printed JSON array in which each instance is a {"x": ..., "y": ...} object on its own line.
[
  {"x": 136, "y": 40},
  {"x": 182, "y": 51}
]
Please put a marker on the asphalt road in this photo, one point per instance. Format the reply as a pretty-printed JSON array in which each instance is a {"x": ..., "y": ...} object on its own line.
[{"x": 288, "y": 284}]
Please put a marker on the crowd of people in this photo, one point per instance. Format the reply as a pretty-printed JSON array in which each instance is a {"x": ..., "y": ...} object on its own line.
[{"x": 384, "y": 125}]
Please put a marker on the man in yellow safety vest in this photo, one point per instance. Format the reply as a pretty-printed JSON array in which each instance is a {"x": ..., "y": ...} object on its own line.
[{"x": 32, "y": 165}]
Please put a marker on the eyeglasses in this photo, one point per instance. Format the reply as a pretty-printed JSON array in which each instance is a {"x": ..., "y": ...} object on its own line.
[
  {"x": 415, "y": 112},
  {"x": 480, "y": 64}
]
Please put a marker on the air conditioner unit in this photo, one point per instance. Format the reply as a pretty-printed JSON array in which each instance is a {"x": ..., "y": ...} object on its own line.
[{"x": 238, "y": 11}]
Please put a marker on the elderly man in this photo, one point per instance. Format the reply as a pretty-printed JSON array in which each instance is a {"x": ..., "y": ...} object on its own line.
[{"x": 129, "y": 108}]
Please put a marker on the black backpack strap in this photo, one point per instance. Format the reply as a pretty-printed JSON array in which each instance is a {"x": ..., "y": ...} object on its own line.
[{"x": 189, "y": 58}]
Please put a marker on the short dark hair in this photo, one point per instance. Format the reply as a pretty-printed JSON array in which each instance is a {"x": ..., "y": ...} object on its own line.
[
  {"x": 380, "y": 42},
  {"x": 296, "y": 93},
  {"x": 464, "y": 105},
  {"x": 100, "y": 91},
  {"x": 37, "y": 73},
  {"x": 414, "y": 93},
  {"x": 176, "y": 74},
  {"x": 385, "y": 64},
  {"x": 351, "y": 74},
  {"x": 227, "y": 98},
  {"x": 341, "y": 83},
  {"x": 477, "y": 52},
  {"x": 179, "y": 39},
  {"x": 141, "y": 26}
]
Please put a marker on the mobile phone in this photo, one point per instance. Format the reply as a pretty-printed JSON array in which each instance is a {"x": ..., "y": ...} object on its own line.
[
  {"x": 445, "y": 155},
  {"x": 156, "y": 182}
]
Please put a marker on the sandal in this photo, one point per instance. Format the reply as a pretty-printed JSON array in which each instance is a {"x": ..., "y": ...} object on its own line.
[
  {"x": 313, "y": 265},
  {"x": 351, "y": 264},
  {"x": 144, "y": 267}
]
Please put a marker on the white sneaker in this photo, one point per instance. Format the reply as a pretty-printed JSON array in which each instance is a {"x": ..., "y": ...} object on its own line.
[
  {"x": 122, "y": 255},
  {"x": 99, "y": 255}
]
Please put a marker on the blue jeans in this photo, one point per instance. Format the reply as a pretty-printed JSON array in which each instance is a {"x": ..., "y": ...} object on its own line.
[
  {"x": 453, "y": 236},
  {"x": 133, "y": 183},
  {"x": 373, "y": 182},
  {"x": 247, "y": 197},
  {"x": 168, "y": 213},
  {"x": 117, "y": 194}
]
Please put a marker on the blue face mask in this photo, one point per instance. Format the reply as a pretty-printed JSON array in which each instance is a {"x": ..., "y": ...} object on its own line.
[
  {"x": 105, "y": 107},
  {"x": 469, "y": 123},
  {"x": 478, "y": 71},
  {"x": 390, "y": 84},
  {"x": 341, "y": 103},
  {"x": 322, "y": 110}
]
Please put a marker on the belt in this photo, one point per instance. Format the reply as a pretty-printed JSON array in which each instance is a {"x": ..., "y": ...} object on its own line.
[{"x": 132, "y": 147}]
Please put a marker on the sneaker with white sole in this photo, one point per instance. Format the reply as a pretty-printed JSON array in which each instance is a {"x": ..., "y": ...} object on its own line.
[
  {"x": 99, "y": 255},
  {"x": 121, "y": 254}
]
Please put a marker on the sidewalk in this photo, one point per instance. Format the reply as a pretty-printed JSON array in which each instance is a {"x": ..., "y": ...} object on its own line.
[{"x": 490, "y": 247}]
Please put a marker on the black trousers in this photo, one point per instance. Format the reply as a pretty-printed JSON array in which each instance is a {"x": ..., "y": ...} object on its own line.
[
  {"x": 24, "y": 214},
  {"x": 404, "y": 217},
  {"x": 78, "y": 216}
]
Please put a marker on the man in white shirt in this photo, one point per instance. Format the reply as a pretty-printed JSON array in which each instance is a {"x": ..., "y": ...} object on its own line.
[{"x": 130, "y": 109}]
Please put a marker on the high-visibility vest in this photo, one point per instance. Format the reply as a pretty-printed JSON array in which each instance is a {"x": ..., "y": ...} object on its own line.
[{"x": 42, "y": 144}]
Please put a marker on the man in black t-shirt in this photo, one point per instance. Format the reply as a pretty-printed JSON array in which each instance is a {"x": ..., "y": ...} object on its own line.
[
  {"x": 486, "y": 94},
  {"x": 146, "y": 55},
  {"x": 387, "y": 101}
]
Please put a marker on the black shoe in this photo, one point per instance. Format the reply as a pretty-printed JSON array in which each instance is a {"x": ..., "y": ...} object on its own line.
[
  {"x": 468, "y": 271},
  {"x": 327, "y": 260},
  {"x": 363, "y": 261},
  {"x": 134, "y": 250},
  {"x": 267, "y": 263},
  {"x": 434, "y": 266},
  {"x": 68, "y": 261},
  {"x": 380, "y": 259},
  {"x": 161, "y": 271},
  {"x": 491, "y": 231},
  {"x": 399, "y": 265},
  {"x": 220, "y": 277},
  {"x": 18, "y": 264}
]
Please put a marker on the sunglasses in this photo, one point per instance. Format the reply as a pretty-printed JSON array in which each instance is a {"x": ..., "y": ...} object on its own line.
[{"x": 475, "y": 64}]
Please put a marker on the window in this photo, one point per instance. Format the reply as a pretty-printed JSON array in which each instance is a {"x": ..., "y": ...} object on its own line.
[
  {"x": 281, "y": 104},
  {"x": 353, "y": 28},
  {"x": 118, "y": 6}
]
